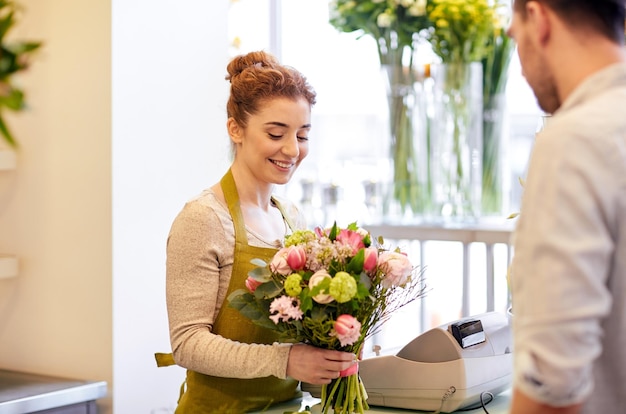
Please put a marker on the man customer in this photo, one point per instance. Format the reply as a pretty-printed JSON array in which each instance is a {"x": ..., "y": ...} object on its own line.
[{"x": 569, "y": 267}]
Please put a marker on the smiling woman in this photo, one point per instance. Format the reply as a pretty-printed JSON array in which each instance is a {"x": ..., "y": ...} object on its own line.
[{"x": 232, "y": 365}]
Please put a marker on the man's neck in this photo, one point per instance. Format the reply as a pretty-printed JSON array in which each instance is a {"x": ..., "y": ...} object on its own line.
[{"x": 574, "y": 59}]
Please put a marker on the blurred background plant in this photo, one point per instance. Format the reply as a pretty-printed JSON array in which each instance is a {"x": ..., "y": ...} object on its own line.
[
  {"x": 495, "y": 78},
  {"x": 461, "y": 37},
  {"x": 462, "y": 29},
  {"x": 456, "y": 33},
  {"x": 14, "y": 58},
  {"x": 396, "y": 25}
]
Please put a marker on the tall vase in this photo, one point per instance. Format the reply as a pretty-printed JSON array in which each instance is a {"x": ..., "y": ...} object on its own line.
[
  {"x": 456, "y": 141},
  {"x": 407, "y": 190},
  {"x": 495, "y": 184}
]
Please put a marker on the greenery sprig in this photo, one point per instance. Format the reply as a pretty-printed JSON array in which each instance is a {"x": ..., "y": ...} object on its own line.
[{"x": 14, "y": 58}]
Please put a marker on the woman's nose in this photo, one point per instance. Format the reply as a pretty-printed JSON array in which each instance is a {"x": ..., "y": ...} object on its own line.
[{"x": 292, "y": 147}]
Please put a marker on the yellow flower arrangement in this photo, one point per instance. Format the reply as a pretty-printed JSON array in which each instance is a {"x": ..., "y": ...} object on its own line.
[{"x": 462, "y": 29}]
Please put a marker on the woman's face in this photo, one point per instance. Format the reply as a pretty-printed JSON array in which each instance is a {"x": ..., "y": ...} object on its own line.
[{"x": 275, "y": 141}]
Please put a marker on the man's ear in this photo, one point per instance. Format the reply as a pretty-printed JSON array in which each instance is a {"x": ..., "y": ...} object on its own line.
[
  {"x": 540, "y": 17},
  {"x": 234, "y": 130}
]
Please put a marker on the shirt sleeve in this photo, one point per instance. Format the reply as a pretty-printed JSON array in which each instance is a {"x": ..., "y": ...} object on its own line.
[
  {"x": 198, "y": 267},
  {"x": 563, "y": 249}
]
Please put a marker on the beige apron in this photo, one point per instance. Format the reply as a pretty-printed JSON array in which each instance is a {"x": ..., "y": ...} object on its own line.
[{"x": 209, "y": 394}]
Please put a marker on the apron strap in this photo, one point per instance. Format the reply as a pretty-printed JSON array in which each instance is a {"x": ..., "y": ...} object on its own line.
[
  {"x": 234, "y": 208},
  {"x": 286, "y": 217},
  {"x": 164, "y": 360}
]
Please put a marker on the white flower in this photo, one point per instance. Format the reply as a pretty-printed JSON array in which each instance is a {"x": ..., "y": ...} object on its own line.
[
  {"x": 418, "y": 8},
  {"x": 315, "y": 280},
  {"x": 384, "y": 20}
]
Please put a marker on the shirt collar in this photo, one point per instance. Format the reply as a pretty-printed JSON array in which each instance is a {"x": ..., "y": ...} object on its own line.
[{"x": 596, "y": 84}]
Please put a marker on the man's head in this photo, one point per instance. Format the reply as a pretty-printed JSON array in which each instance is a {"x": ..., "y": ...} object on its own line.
[
  {"x": 552, "y": 35},
  {"x": 603, "y": 16}
]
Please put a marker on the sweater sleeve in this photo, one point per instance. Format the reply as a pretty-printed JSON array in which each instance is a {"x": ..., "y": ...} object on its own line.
[{"x": 198, "y": 268}]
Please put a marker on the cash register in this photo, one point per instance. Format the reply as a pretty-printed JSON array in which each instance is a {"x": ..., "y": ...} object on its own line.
[{"x": 447, "y": 368}]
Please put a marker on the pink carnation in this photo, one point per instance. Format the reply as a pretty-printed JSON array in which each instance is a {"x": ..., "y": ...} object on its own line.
[{"x": 352, "y": 239}]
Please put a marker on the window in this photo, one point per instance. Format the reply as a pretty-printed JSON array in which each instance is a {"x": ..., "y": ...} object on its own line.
[{"x": 349, "y": 133}]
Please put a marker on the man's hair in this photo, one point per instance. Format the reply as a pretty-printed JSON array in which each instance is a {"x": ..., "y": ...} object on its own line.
[{"x": 606, "y": 17}]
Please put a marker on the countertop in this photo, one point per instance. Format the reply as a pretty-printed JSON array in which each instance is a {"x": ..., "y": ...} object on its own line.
[
  {"x": 499, "y": 405},
  {"x": 24, "y": 393}
]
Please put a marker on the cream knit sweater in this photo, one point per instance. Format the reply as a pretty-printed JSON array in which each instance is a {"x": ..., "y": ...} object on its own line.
[{"x": 199, "y": 262}]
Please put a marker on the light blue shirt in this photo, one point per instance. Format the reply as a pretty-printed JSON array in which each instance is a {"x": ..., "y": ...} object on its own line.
[{"x": 569, "y": 264}]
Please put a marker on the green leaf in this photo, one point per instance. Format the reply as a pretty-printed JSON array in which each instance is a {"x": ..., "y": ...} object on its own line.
[
  {"x": 321, "y": 287},
  {"x": 260, "y": 274},
  {"x": 23, "y": 47},
  {"x": 319, "y": 314},
  {"x": 363, "y": 289},
  {"x": 306, "y": 301},
  {"x": 13, "y": 101},
  {"x": 239, "y": 295},
  {"x": 355, "y": 266},
  {"x": 268, "y": 290},
  {"x": 7, "y": 22},
  {"x": 8, "y": 137},
  {"x": 333, "y": 232},
  {"x": 258, "y": 262}
]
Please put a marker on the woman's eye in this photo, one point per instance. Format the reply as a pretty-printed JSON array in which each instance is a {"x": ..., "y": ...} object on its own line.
[
  {"x": 303, "y": 138},
  {"x": 274, "y": 136}
]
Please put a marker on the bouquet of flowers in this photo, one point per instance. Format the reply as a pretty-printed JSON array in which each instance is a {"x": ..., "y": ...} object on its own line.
[{"x": 330, "y": 288}]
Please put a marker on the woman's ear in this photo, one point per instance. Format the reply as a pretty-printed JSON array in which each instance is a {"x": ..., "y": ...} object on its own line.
[{"x": 234, "y": 130}]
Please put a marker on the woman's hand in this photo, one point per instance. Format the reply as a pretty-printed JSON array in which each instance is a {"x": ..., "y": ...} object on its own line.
[{"x": 316, "y": 365}]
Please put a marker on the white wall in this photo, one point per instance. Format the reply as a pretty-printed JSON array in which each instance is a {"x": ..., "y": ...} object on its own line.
[
  {"x": 169, "y": 142},
  {"x": 126, "y": 123}
]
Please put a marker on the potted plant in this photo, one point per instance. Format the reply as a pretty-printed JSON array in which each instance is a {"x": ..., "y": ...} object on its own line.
[{"x": 14, "y": 58}]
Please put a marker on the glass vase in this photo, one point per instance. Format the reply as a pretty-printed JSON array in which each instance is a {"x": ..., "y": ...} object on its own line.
[
  {"x": 495, "y": 186},
  {"x": 407, "y": 190},
  {"x": 456, "y": 142}
]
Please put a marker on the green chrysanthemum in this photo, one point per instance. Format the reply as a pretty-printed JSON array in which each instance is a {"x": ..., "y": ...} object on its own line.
[
  {"x": 299, "y": 237},
  {"x": 342, "y": 287},
  {"x": 292, "y": 285}
]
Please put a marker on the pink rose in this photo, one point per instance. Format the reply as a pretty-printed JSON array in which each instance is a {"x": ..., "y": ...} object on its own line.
[
  {"x": 347, "y": 329},
  {"x": 396, "y": 268},
  {"x": 315, "y": 280},
  {"x": 351, "y": 238},
  {"x": 296, "y": 257},
  {"x": 252, "y": 284},
  {"x": 371, "y": 259},
  {"x": 279, "y": 262}
]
